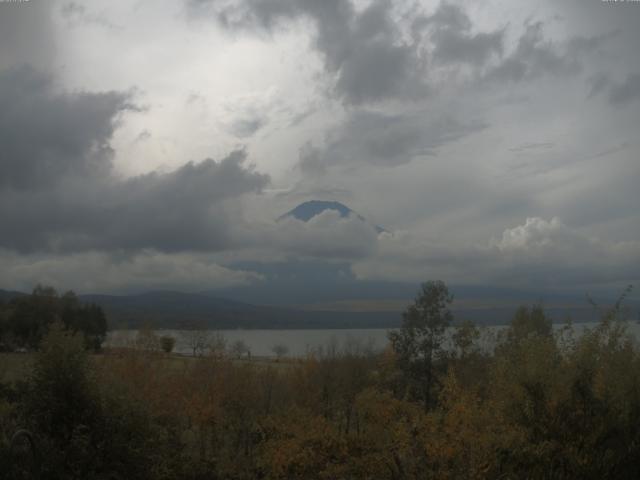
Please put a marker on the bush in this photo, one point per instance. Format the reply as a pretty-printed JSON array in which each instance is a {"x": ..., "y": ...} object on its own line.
[{"x": 167, "y": 343}]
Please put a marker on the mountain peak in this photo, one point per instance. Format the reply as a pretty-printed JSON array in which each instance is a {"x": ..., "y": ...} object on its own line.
[{"x": 307, "y": 210}]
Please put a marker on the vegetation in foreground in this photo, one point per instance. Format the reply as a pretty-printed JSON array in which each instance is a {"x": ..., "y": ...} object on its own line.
[{"x": 540, "y": 405}]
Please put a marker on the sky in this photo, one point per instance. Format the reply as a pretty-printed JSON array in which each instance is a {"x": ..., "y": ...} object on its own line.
[{"x": 153, "y": 144}]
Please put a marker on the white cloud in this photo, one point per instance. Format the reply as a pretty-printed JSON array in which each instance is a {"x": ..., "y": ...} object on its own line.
[
  {"x": 539, "y": 250},
  {"x": 327, "y": 236},
  {"x": 539, "y": 235}
]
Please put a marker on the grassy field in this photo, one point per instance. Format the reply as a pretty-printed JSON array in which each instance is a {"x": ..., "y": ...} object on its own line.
[{"x": 16, "y": 366}]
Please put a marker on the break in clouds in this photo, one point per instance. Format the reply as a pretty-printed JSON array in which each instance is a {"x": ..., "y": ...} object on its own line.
[{"x": 496, "y": 153}]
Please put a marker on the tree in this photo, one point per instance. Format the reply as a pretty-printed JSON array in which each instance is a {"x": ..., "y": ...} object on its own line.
[
  {"x": 146, "y": 339},
  {"x": 32, "y": 315},
  {"x": 527, "y": 322},
  {"x": 196, "y": 336},
  {"x": 239, "y": 348},
  {"x": 418, "y": 343},
  {"x": 62, "y": 400},
  {"x": 280, "y": 350},
  {"x": 29, "y": 317},
  {"x": 464, "y": 337},
  {"x": 83, "y": 429},
  {"x": 217, "y": 345},
  {"x": 167, "y": 343}
]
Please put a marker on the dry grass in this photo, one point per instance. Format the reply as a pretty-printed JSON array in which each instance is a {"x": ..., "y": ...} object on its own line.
[{"x": 16, "y": 366}]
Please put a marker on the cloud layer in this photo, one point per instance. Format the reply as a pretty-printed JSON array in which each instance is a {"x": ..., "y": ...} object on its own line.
[
  {"x": 496, "y": 143},
  {"x": 59, "y": 192}
]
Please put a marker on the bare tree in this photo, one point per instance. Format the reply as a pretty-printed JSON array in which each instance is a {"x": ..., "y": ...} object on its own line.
[
  {"x": 196, "y": 337},
  {"x": 217, "y": 345},
  {"x": 147, "y": 339},
  {"x": 239, "y": 348},
  {"x": 280, "y": 350}
]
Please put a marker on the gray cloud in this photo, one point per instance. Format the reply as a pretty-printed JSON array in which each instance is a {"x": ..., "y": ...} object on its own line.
[
  {"x": 534, "y": 56},
  {"x": 456, "y": 47},
  {"x": 627, "y": 91},
  {"x": 45, "y": 135},
  {"x": 453, "y": 40},
  {"x": 327, "y": 236},
  {"x": 189, "y": 208},
  {"x": 538, "y": 251},
  {"x": 597, "y": 83},
  {"x": 247, "y": 127},
  {"x": 497, "y": 104},
  {"x": 532, "y": 146},
  {"x": 375, "y": 138},
  {"x": 75, "y": 13},
  {"x": 26, "y": 34},
  {"x": 380, "y": 54},
  {"x": 59, "y": 192},
  {"x": 364, "y": 50},
  {"x": 91, "y": 272}
]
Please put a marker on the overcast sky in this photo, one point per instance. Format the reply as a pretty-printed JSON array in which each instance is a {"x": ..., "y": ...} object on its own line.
[{"x": 150, "y": 144}]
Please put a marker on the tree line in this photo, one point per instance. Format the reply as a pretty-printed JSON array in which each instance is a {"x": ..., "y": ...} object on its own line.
[
  {"x": 539, "y": 403},
  {"x": 26, "y": 319}
]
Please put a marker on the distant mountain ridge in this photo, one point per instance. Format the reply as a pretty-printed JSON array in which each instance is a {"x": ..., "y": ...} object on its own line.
[
  {"x": 171, "y": 309},
  {"x": 176, "y": 310},
  {"x": 312, "y": 208},
  {"x": 7, "y": 295}
]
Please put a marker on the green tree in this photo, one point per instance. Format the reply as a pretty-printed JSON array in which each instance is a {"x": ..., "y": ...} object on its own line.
[
  {"x": 464, "y": 337},
  {"x": 89, "y": 319},
  {"x": 527, "y": 322},
  {"x": 32, "y": 314},
  {"x": 418, "y": 343},
  {"x": 84, "y": 429}
]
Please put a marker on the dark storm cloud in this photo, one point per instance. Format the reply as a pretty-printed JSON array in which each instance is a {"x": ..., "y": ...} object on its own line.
[
  {"x": 45, "y": 136},
  {"x": 58, "y": 190},
  {"x": 188, "y": 209},
  {"x": 627, "y": 91},
  {"x": 380, "y": 139},
  {"x": 181, "y": 210}
]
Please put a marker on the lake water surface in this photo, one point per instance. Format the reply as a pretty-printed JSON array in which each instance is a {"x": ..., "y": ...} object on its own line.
[{"x": 302, "y": 342}]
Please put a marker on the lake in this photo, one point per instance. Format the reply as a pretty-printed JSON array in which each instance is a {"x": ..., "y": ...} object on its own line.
[
  {"x": 261, "y": 342},
  {"x": 302, "y": 342}
]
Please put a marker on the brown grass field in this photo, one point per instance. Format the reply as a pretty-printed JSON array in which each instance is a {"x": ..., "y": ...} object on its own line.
[{"x": 17, "y": 366}]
